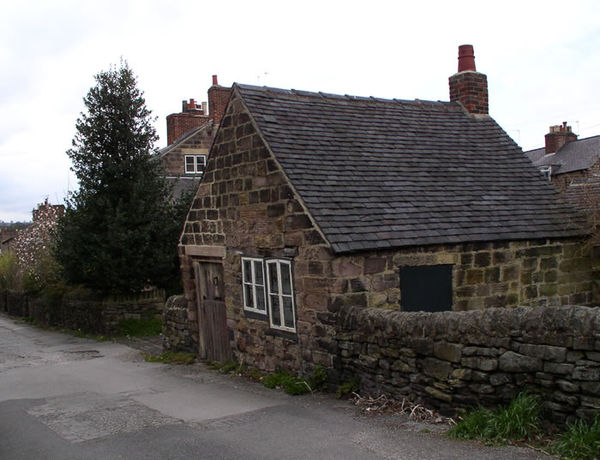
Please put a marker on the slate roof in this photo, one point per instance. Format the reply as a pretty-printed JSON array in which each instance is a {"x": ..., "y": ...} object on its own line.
[
  {"x": 182, "y": 185},
  {"x": 573, "y": 156},
  {"x": 378, "y": 174},
  {"x": 185, "y": 137}
]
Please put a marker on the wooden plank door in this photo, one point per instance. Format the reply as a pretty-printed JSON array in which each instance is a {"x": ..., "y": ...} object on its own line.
[{"x": 213, "y": 337}]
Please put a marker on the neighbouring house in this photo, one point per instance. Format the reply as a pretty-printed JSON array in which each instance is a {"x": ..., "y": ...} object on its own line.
[
  {"x": 189, "y": 137},
  {"x": 7, "y": 238},
  {"x": 8, "y": 232},
  {"x": 564, "y": 159},
  {"x": 572, "y": 165},
  {"x": 311, "y": 202}
]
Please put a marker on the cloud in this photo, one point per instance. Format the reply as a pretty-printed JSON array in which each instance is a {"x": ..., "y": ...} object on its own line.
[{"x": 542, "y": 65}]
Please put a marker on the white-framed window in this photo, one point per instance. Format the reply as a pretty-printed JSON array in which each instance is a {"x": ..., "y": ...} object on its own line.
[
  {"x": 280, "y": 291},
  {"x": 253, "y": 281},
  {"x": 195, "y": 164}
]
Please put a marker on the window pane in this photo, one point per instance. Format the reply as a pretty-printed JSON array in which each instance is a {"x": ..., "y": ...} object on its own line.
[
  {"x": 247, "y": 271},
  {"x": 286, "y": 280},
  {"x": 273, "y": 286},
  {"x": 275, "y": 314},
  {"x": 258, "y": 273},
  {"x": 260, "y": 298},
  {"x": 189, "y": 164},
  {"x": 248, "y": 295},
  {"x": 288, "y": 312}
]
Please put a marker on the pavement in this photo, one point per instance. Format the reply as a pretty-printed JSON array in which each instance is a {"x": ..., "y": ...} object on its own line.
[{"x": 63, "y": 397}]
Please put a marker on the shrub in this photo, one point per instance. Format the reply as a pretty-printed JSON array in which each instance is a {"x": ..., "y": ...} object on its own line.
[
  {"x": 291, "y": 384},
  {"x": 34, "y": 249},
  {"x": 318, "y": 378},
  {"x": 9, "y": 272},
  {"x": 348, "y": 387}
]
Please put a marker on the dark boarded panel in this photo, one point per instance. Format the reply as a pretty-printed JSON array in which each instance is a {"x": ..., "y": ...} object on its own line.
[{"x": 426, "y": 288}]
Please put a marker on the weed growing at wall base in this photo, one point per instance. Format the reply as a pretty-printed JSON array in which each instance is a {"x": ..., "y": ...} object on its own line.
[
  {"x": 170, "y": 357},
  {"x": 581, "y": 441},
  {"x": 520, "y": 420}
]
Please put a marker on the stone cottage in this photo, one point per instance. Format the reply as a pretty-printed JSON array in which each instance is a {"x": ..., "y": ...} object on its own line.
[{"x": 313, "y": 201}]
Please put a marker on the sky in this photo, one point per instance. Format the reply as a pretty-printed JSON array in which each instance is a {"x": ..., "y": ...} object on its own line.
[{"x": 542, "y": 60}]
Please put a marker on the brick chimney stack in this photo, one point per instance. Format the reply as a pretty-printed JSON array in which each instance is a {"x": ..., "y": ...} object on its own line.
[
  {"x": 218, "y": 97},
  {"x": 558, "y": 136},
  {"x": 194, "y": 115},
  {"x": 468, "y": 86}
]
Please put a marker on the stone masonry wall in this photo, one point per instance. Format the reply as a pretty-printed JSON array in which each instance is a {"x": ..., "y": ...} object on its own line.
[
  {"x": 245, "y": 204},
  {"x": 176, "y": 335},
  {"x": 562, "y": 181},
  {"x": 485, "y": 275},
  {"x": 174, "y": 160},
  {"x": 462, "y": 359},
  {"x": 82, "y": 311}
]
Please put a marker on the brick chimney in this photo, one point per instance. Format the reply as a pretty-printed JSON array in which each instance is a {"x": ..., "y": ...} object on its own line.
[
  {"x": 192, "y": 116},
  {"x": 218, "y": 97},
  {"x": 468, "y": 86},
  {"x": 558, "y": 136}
]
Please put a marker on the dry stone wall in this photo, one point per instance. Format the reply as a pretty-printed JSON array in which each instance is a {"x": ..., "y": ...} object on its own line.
[
  {"x": 462, "y": 359},
  {"x": 80, "y": 310},
  {"x": 176, "y": 334}
]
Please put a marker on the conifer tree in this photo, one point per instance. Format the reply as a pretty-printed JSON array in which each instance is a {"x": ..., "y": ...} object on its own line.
[{"x": 119, "y": 232}]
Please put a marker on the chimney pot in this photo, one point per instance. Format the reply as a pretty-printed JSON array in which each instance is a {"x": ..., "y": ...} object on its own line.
[
  {"x": 466, "y": 58},
  {"x": 558, "y": 136},
  {"x": 468, "y": 86},
  {"x": 215, "y": 81}
]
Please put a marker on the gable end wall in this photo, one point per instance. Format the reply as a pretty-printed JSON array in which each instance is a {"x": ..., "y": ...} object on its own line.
[
  {"x": 174, "y": 161},
  {"x": 246, "y": 205}
]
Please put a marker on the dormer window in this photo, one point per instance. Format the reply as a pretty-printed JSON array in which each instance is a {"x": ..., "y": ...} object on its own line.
[{"x": 195, "y": 164}]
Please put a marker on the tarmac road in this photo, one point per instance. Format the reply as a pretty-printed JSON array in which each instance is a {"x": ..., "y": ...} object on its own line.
[{"x": 63, "y": 397}]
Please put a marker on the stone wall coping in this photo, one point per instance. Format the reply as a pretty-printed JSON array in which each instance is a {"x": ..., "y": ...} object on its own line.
[{"x": 542, "y": 325}]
